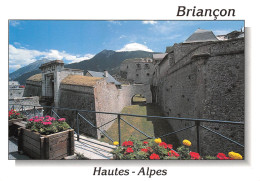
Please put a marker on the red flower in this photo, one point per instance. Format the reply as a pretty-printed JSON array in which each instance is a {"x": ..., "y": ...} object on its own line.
[
  {"x": 163, "y": 145},
  {"x": 145, "y": 142},
  {"x": 222, "y": 156},
  {"x": 144, "y": 150},
  {"x": 127, "y": 143},
  {"x": 129, "y": 150},
  {"x": 17, "y": 113},
  {"x": 169, "y": 146},
  {"x": 194, "y": 156},
  {"x": 173, "y": 153},
  {"x": 154, "y": 157}
]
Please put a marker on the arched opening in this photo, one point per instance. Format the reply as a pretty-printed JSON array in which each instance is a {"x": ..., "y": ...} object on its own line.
[{"x": 138, "y": 99}]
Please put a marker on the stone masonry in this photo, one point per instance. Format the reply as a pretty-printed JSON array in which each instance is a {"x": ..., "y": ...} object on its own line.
[{"x": 204, "y": 80}]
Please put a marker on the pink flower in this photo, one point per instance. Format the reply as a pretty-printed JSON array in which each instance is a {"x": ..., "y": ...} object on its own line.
[
  {"x": 41, "y": 117},
  {"x": 62, "y": 119},
  {"x": 37, "y": 120},
  {"x": 36, "y": 117},
  {"x": 30, "y": 120},
  {"x": 46, "y": 123}
]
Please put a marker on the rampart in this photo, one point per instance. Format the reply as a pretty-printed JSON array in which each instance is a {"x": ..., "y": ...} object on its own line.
[{"x": 207, "y": 82}]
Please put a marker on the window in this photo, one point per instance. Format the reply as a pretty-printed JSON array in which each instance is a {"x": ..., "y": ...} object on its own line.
[
  {"x": 146, "y": 66},
  {"x": 137, "y": 75},
  {"x": 147, "y": 74},
  {"x": 138, "y": 65}
]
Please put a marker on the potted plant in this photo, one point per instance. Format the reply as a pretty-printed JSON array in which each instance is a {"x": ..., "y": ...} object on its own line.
[
  {"x": 46, "y": 138},
  {"x": 14, "y": 116}
]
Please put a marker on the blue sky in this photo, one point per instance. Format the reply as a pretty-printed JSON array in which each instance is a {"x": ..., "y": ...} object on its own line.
[{"x": 74, "y": 41}]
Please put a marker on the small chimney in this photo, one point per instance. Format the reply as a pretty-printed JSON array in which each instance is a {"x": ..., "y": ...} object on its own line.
[{"x": 105, "y": 73}]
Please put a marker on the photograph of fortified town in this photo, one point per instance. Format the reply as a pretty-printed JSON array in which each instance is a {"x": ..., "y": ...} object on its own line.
[{"x": 126, "y": 90}]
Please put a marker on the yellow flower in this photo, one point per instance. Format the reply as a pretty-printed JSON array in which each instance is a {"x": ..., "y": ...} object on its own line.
[
  {"x": 235, "y": 156},
  {"x": 186, "y": 142},
  {"x": 158, "y": 140},
  {"x": 115, "y": 143}
]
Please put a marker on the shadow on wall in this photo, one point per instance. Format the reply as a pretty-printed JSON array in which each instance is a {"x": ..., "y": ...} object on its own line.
[{"x": 161, "y": 126}]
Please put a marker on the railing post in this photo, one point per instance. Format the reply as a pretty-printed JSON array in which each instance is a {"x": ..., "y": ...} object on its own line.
[
  {"x": 119, "y": 130},
  {"x": 198, "y": 135},
  {"x": 34, "y": 111},
  {"x": 77, "y": 121},
  {"x": 51, "y": 111}
]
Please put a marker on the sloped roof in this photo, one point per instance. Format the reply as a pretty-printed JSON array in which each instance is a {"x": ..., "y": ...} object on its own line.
[
  {"x": 36, "y": 77},
  {"x": 101, "y": 74},
  {"x": 159, "y": 56},
  {"x": 81, "y": 80},
  {"x": 201, "y": 36}
]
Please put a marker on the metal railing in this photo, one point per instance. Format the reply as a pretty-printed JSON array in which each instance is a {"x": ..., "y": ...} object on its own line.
[{"x": 119, "y": 118}]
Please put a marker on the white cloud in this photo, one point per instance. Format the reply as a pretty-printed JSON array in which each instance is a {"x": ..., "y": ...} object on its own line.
[
  {"x": 122, "y": 36},
  {"x": 15, "y": 67},
  {"x": 134, "y": 47},
  {"x": 149, "y": 22},
  {"x": 19, "y": 57}
]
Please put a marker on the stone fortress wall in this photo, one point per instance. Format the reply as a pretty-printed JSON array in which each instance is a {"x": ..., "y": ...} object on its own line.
[
  {"x": 102, "y": 97},
  {"x": 205, "y": 81},
  {"x": 138, "y": 70}
]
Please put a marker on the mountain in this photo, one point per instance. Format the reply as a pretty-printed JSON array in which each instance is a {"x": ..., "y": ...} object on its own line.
[
  {"x": 108, "y": 60},
  {"x": 105, "y": 60},
  {"x": 31, "y": 67}
]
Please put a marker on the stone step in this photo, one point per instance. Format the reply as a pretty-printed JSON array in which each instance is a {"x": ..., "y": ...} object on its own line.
[{"x": 93, "y": 149}]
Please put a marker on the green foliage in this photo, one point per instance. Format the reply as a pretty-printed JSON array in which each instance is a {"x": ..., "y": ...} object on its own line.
[
  {"x": 184, "y": 152},
  {"x": 210, "y": 157},
  {"x": 47, "y": 125}
]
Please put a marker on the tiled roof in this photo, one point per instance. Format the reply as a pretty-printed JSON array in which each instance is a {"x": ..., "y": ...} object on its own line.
[
  {"x": 201, "y": 36},
  {"x": 101, "y": 74}
]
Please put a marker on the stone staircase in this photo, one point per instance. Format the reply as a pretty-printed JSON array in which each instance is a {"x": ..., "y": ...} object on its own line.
[{"x": 93, "y": 149}]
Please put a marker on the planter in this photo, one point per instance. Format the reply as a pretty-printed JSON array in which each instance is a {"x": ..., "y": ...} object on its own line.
[
  {"x": 11, "y": 121},
  {"x": 14, "y": 124},
  {"x": 54, "y": 146}
]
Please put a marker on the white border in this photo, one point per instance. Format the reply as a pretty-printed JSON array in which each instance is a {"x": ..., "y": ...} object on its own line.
[{"x": 139, "y": 10}]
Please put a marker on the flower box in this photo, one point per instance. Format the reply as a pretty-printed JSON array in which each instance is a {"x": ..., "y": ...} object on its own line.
[
  {"x": 11, "y": 121},
  {"x": 14, "y": 124},
  {"x": 54, "y": 146}
]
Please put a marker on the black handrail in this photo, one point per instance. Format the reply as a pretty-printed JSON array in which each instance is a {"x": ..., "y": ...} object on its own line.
[{"x": 119, "y": 118}]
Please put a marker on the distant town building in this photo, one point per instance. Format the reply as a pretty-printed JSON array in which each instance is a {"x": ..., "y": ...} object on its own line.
[{"x": 137, "y": 70}]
